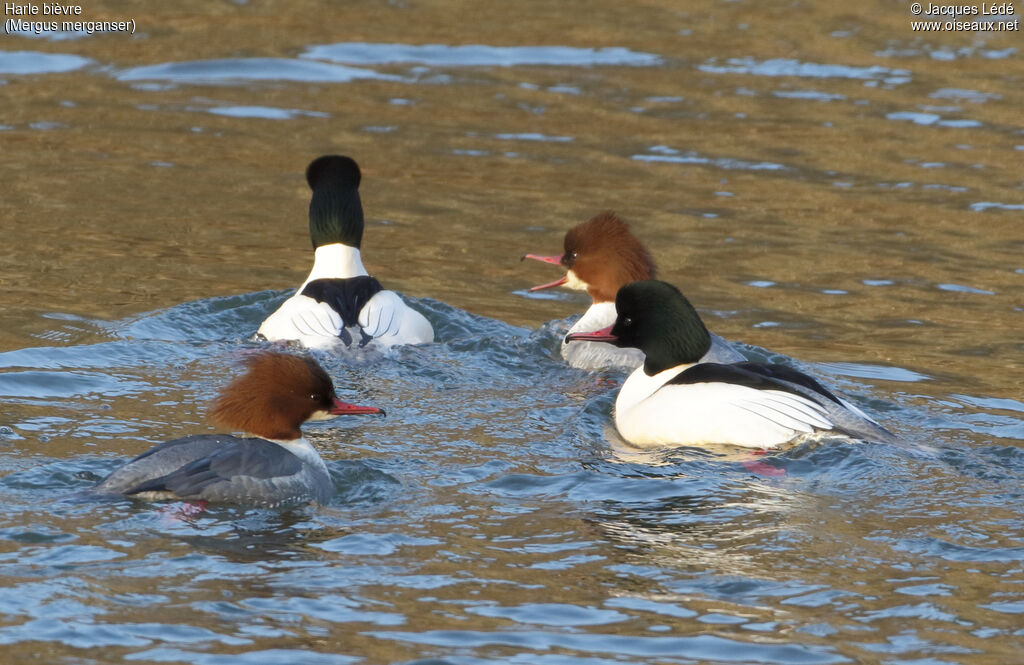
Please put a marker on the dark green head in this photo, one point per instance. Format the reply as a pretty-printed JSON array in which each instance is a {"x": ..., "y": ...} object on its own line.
[
  {"x": 335, "y": 211},
  {"x": 656, "y": 318}
]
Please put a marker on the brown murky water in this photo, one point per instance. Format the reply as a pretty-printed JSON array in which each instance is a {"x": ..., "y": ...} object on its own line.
[{"x": 819, "y": 179}]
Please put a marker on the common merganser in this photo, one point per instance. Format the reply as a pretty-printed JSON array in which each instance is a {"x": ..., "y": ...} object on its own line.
[
  {"x": 273, "y": 466},
  {"x": 339, "y": 300},
  {"x": 602, "y": 255},
  {"x": 675, "y": 398}
]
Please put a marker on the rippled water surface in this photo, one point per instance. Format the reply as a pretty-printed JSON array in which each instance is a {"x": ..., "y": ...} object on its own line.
[{"x": 831, "y": 189}]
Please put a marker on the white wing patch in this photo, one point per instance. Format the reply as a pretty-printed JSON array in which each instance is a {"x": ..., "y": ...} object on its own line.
[
  {"x": 390, "y": 321},
  {"x": 788, "y": 410},
  {"x": 381, "y": 316},
  {"x": 710, "y": 413},
  {"x": 385, "y": 318},
  {"x": 303, "y": 319}
]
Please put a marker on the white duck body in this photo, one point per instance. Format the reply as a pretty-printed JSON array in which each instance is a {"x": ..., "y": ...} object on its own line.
[
  {"x": 682, "y": 396},
  {"x": 650, "y": 413}
]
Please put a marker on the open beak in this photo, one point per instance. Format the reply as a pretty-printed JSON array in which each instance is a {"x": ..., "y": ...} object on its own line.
[
  {"x": 602, "y": 335},
  {"x": 345, "y": 409},
  {"x": 554, "y": 260},
  {"x": 549, "y": 285}
]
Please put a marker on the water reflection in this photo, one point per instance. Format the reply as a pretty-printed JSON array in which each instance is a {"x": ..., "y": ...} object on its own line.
[
  {"x": 704, "y": 538},
  {"x": 786, "y": 67},
  {"x": 673, "y": 156},
  {"x": 264, "y": 112},
  {"x": 847, "y": 198},
  {"x": 21, "y": 63},
  {"x": 239, "y": 70},
  {"x": 478, "y": 55}
]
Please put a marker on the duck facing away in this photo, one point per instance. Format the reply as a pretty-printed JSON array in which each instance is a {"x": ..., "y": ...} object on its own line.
[
  {"x": 600, "y": 256},
  {"x": 675, "y": 398},
  {"x": 273, "y": 465},
  {"x": 339, "y": 300}
]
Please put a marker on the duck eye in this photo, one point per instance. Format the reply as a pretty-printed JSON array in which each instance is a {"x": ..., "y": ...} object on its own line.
[
  {"x": 626, "y": 321},
  {"x": 315, "y": 397}
]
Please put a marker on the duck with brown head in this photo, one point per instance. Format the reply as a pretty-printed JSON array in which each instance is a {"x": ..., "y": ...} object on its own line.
[
  {"x": 600, "y": 256},
  {"x": 272, "y": 465}
]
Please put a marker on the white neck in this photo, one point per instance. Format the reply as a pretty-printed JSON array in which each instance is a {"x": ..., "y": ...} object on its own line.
[
  {"x": 572, "y": 281},
  {"x": 302, "y": 449},
  {"x": 638, "y": 386},
  {"x": 292, "y": 444},
  {"x": 301, "y": 441},
  {"x": 335, "y": 261}
]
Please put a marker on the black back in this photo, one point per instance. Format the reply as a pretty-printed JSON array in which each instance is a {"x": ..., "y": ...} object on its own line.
[
  {"x": 347, "y": 297},
  {"x": 753, "y": 375}
]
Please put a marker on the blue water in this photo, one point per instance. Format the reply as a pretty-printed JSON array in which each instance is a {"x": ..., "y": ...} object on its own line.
[
  {"x": 479, "y": 55},
  {"x": 250, "y": 69},
  {"x": 787, "y": 67},
  {"x": 34, "y": 62},
  {"x": 835, "y": 185},
  {"x": 494, "y": 515}
]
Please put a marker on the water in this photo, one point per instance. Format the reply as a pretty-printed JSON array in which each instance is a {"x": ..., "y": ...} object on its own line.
[{"x": 831, "y": 190}]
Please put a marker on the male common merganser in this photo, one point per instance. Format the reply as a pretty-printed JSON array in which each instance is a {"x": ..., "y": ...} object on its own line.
[
  {"x": 675, "y": 398},
  {"x": 602, "y": 255},
  {"x": 339, "y": 300},
  {"x": 273, "y": 466}
]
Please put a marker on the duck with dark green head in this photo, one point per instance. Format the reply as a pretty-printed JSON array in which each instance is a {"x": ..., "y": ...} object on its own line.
[
  {"x": 339, "y": 304},
  {"x": 679, "y": 398}
]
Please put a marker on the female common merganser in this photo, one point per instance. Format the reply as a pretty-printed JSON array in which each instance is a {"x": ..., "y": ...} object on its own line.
[
  {"x": 274, "y": 466},
  {"x": 676, "y": 398},
  {"x": 602, "y": 255},
  {"x": 339, "y": 300}
]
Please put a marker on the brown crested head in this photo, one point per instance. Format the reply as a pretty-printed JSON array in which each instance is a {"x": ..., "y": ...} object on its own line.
[
  {"x": 603, "y": 253},
  {"x": 278, "y": 393}
]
